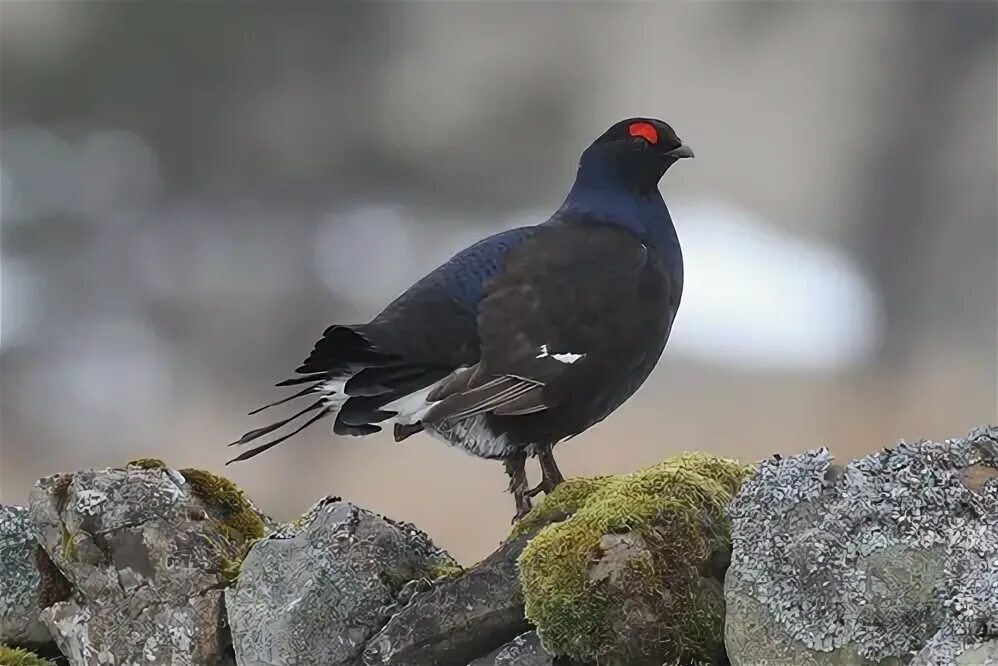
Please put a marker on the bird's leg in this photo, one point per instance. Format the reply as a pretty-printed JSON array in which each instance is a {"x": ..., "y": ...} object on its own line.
[
  {"x": 516, "y": 467},
  {"x": 550, "y": 474}
]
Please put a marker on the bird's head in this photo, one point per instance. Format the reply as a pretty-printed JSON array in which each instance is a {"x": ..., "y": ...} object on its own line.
[{"x": 634, "y": 153}]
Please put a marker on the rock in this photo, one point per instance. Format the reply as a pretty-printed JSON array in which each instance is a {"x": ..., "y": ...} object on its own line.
[
  {"x": 147, "y": 550},
  {"x": 190, "y": 631},
  {"x": 891, "y": 559},
  {"x": 459, "y": 617},
  {"x": 634, "y": 575},
  {"x": 524, "y": 650},
  {"x": 20, "y": 583},
  {"x": 53, "y": 584},
  {"x": 893, "y": 555},
  {"x": 981, "y": 654},
  {"x": 314, "y": 592}
]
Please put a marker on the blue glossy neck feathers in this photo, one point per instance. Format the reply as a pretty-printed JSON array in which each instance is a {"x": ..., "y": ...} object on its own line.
[{"x": 604, "y": 194}]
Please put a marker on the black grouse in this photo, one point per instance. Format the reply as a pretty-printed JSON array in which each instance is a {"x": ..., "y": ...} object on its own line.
[{"x": 527, "y": 337}]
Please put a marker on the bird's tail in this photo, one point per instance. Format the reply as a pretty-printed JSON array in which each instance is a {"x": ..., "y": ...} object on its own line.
[{"x": 355, "y": 383}]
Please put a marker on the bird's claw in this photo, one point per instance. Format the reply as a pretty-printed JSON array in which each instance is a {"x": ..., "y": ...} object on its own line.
[
  {"x": 523, "y": 507},
  {"x": 546, "y": 486}
]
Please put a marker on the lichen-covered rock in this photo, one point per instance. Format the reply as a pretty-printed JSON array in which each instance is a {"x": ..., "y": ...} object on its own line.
[
  {"x": 978, "y": 654},
  {"x": 315, "y": 591},
  {"x": 460, "y": 616},
  {"x": 190, "y": 631},
  {"x": 20, "y": 583},
  {"x": 524, "y": 650},
  {"x": 892, "y": 557},
  {"x": 146, "y": 550},
  {"x": 16, "y": 657},
  {"x": 633, "y": 576}
]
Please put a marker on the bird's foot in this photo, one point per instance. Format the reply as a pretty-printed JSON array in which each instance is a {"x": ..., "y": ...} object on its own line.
[
  {"x": 523, "y": 506},
  {"x": 546, "y": 486},
  {"x": 551, "y": 476}
]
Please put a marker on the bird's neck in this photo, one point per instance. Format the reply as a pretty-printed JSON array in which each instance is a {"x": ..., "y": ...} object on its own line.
[{"x": 597, "y": 198}]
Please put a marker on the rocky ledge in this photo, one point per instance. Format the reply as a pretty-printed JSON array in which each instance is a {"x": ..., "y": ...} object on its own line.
[{"x": 888, "y": 559}]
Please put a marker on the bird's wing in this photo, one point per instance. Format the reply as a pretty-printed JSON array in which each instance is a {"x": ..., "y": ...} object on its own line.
[
  {"x": 364, "y": 374},
  {"x": 567, "y": 301}
]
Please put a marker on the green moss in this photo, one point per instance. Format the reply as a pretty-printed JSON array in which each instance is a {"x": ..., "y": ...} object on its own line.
[
  {"x": 567, "y": 498},
  {"x": 664, "y": 522},
  {"x": 229, "y": 567},
  {"x": 235, "y": 518},
  {"x": 445, "y": 570},
  {"x": 14, "y": 657},
  {"x": 239, "y": 520},
  {"x": 68, "y": 545},
  {"x": 147, "y": 463}
]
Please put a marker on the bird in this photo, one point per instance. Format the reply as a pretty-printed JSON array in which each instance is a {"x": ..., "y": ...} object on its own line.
[{"x": 524, "y": 339}]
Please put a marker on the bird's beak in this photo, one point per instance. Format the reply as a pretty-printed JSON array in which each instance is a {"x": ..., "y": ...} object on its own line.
[{"x": 681, "y": 152}]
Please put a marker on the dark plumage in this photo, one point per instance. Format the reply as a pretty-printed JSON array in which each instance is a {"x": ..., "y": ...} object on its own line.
[{"x": 529, "y": 336}]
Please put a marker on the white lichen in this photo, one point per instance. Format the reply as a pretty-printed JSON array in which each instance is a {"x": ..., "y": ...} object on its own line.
[{"x": 877, "y": 555}]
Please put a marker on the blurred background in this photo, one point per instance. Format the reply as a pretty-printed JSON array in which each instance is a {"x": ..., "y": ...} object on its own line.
[{"x": 192, "y": 192}]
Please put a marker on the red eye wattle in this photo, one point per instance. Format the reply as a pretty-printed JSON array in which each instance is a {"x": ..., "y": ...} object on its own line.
[{"x": 644, "y": 130}]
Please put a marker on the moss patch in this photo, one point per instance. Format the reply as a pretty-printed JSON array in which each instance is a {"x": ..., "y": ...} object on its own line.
[
  {"x": 14, "y": 657},
  {"x": 445, "y": 570},
  {"x": 68, "y": 545},
  {"x": 235, "y": 517},
  {"x": 227, "y": 504},
  {"x": 230, "y": 567},
  {"x": 567, "y": 498},
  {"x": 147, "y": 463},
  {"x": 622, "y": 580}
]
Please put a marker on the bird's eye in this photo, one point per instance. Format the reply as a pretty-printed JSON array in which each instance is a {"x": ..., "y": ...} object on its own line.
[{"x": 643, "y": 130}]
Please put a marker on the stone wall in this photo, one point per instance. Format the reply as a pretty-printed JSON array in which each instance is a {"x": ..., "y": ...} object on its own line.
[{"x": 888, "y": 559}]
